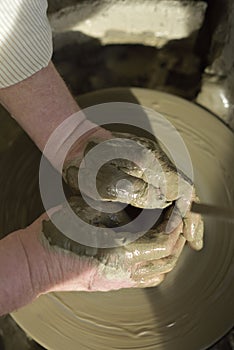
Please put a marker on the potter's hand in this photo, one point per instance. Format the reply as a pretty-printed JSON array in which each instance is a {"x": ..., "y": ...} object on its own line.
[
  {"x": 145, "y": 178},
  {"x": 39, "y": 259},
  {"x": 142, "y": 263}
]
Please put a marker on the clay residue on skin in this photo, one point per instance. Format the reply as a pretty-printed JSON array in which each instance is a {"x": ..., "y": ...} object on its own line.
[
  {"x": 89, "y": 215},
  {"x": 155, "y": 244},
  {"x": 176, "y": 314},
  {"x": 141, "y": 187}
]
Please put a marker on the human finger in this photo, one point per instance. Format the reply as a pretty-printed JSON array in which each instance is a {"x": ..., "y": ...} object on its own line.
[
  {"x": 191, "y": 222},
  {"x": 146, "y": 282},
  {"x": 155, "y": 244},
  {"x": 161, "y": 266},
  {"x": 197, "y": 243},
  {"x": 112, "y": 184}
]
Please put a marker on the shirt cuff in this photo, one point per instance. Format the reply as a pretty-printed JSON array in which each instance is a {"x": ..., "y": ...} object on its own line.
[{"x": 25, "y": 40}]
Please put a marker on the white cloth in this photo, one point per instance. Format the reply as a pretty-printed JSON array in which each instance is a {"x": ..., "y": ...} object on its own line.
[{"x": 25, "y": 39}]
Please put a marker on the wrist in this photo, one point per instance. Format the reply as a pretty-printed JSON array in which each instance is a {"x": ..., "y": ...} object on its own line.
[
  {"x": 85, "y": 134},
  {"x": 38, "y": 257},
  {"x": 52, "y": 268},
  {"x": 69, "y": 140},
  {"x": 17, "y": 288}
]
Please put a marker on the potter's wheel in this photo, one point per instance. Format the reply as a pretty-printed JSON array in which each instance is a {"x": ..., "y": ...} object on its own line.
[{"x": 194, "y": 306}]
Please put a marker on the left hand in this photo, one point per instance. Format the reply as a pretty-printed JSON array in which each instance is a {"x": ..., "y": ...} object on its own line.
[{"x": 142, "y": 263}]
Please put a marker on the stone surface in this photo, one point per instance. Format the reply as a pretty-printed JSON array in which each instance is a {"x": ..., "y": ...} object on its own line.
[
  {"x": 112, "y": 21},
  {"x": 164, "y": 21},
  {"x": 217, "y": 93}
]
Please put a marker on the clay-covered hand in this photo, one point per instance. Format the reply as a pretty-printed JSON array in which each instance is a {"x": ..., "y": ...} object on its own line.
[
  {"x": 145, "y": 178},
  {"x": 142, "y": 263}
]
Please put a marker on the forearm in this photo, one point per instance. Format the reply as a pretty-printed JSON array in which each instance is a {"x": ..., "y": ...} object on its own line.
[
  {"x": 16, "y": 289},
  {"x": 40, "y": 103}
]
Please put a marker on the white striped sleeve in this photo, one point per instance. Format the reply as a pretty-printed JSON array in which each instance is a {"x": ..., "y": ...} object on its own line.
[{"x": 25, "y": 39}]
